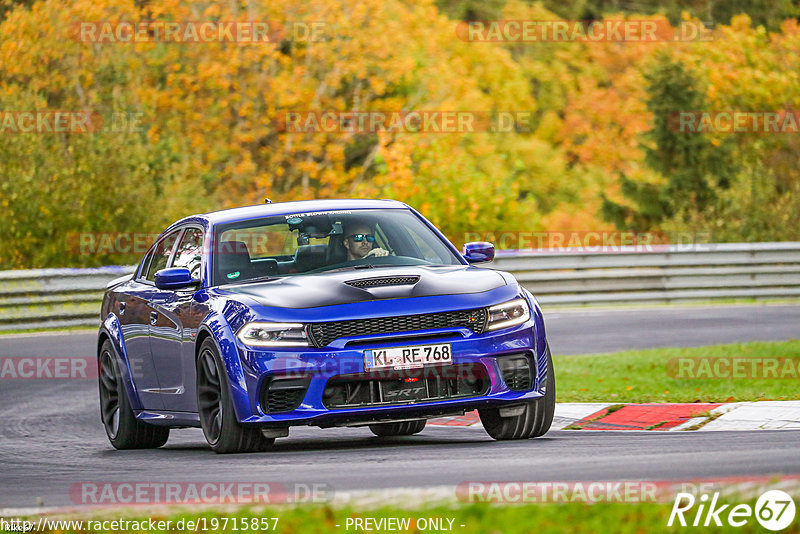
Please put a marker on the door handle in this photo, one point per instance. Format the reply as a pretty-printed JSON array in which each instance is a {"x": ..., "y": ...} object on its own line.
[
  {"x": 153, "y": 318},
  {"x": 122, "y": 306}
]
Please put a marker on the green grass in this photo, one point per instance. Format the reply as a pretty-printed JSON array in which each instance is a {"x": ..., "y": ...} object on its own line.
[
  {"x": 743, "y": 301},
  {"x": 641, "y": 376},
  {"x": 475, "y": 518}
]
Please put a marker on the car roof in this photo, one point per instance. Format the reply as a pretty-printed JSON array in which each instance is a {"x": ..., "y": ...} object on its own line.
[{"x": 295, "y": 207}]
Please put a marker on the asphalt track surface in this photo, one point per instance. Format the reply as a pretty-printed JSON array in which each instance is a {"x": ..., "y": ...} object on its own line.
[{"x": 51, "y": 437}]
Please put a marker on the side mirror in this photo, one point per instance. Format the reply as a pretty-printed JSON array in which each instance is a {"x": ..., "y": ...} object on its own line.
[
  {"x": 174, "y": 278},
  {"x": 478, "y": 252}
]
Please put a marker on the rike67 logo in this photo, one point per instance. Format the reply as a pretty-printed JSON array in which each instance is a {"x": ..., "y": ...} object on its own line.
[{"x": 774, "y": 510}]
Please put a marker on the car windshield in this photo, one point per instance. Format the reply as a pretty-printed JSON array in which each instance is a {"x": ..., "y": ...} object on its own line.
[{"x": 318, "y": 242}]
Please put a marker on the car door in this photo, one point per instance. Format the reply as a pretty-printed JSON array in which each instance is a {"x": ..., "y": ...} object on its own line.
[
  {"x": 134, "y": 317},
  {"x": 174, "y": 327}
]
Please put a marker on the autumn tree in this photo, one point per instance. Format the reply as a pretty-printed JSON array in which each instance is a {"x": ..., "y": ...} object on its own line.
[
  {"x": 694, "y": 167},
  {"x": 770, "y": 13},
  {"x": 211, "y": 132}
]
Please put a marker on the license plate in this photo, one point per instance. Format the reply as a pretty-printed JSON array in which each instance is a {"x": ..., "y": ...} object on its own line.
[{"x": 408, "y": 357}]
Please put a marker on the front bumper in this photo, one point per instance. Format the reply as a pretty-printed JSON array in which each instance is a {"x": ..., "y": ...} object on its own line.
[{"x": 314, "y": 369}]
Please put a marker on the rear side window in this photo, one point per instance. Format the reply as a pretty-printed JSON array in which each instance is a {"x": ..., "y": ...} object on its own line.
[{"x": 161, "y": 255}]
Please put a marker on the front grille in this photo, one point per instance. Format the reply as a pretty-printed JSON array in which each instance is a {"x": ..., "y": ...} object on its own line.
[
  {"x": 384, "y": 281},
  {"x": 517, "y": 371},
  {"x": 283, "y": 394},
  {"x": 408, "y": 386},
  {"x": 322, "y": 334}
]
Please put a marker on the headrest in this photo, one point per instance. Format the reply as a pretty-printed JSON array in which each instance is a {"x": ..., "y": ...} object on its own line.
[
  {"x": 233, "y": 248},
  {"x": 336, "y": 252},
  {"x": 233, "y": 261},
  {"x": 309, "y": 257}
]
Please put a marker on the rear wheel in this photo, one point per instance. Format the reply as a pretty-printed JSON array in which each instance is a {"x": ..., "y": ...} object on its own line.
[
  {"x": 530, "y": 420},
  {"x": 123, "y": 429},
  {"x": 217, "y": 418},
  {"x": 404, "y": 428}
]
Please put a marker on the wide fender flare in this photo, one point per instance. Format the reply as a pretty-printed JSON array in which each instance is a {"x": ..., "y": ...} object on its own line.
[
  {"x": 220, "y": 331},
  {"x": 111, "y": 328},
  {"x": 541, "y": 338}
]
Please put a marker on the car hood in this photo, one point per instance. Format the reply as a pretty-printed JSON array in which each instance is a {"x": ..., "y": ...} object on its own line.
[{"x": 352, "y": 286}]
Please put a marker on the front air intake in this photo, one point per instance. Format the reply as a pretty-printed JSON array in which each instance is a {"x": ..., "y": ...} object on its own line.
[
  {"x": 407, "y": 386},
  {"x": 283, "y": 394},
  {"x": 517, "y": 371}
]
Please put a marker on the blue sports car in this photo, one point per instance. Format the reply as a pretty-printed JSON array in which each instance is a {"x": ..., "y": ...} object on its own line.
[{"x": 248, "y": 321}]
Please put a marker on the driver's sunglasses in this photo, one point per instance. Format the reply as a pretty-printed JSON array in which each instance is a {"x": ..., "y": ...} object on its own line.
[{"x": 358, "y": 238}]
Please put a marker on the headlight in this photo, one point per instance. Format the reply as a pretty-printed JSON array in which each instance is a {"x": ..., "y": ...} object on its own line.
[
  {"x": 509, "y": 313},
  {"x": 274, "y": 335}
]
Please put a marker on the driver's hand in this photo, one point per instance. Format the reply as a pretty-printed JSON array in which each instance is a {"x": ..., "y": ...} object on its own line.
[{"x": 377, "y": 252}]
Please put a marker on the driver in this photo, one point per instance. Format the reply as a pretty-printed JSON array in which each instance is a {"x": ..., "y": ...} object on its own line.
[{"x": 359, "y": 241}]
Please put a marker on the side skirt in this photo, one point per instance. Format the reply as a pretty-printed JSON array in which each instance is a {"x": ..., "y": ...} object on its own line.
[{"x": 171, "y": 419}]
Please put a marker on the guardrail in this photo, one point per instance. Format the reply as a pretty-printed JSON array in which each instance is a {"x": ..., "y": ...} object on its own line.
[
  {"x": 54, "y": 298},
  {"x": 658, "y": 274}
]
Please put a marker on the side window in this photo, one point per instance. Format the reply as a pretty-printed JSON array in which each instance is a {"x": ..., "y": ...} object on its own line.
[
  {"x": 145, "y": 263},
  {"x": 161, "y": 255},
  {"x": 427, "y": 252},
  {"x": 381, "y": 240},
  {"x": 189, "y": 253}
]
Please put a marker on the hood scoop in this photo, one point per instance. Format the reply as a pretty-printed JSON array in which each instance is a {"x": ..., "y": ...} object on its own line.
[{"x": 383, "y": 281}]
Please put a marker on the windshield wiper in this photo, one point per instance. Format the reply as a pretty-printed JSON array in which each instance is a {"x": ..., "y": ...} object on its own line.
[
  {"x": 339, "y": 269},
  {"x": 361, "y": 266},
  {"x": 261, "y": 279}
]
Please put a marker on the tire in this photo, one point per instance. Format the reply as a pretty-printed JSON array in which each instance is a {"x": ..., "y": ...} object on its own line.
[
  {"x": 534, "y": 421},
  {"x": 217, "y": 417},
  {"x": 404, "y": 428},
  {"x": 124, "y": 431}
]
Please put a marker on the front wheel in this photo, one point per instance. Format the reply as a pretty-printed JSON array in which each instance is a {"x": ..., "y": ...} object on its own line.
[
  {"x": 123, "y": 429},
  {"x": 533, "y": 418},
  {"x": 217, "y": 418}
]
